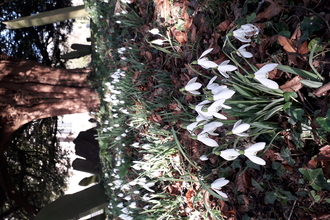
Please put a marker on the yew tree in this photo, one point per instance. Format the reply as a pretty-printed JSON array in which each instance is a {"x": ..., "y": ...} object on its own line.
[{"x": 30, "y": 91}]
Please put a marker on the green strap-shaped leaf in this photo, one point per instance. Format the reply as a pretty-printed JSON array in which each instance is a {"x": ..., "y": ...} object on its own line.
[{"x": 296, "y": 71}]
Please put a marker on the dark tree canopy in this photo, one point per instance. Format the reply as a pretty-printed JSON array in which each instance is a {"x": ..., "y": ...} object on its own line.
[
  {"x": 37, "y": 166},
  {"x": 40, "y": 43}
]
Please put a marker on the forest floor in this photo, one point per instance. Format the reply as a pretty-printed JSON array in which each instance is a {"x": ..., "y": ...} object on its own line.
[{"x": 155, "y": 167}]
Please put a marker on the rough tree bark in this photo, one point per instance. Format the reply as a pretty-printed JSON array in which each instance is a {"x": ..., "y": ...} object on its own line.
[{"x": 29, "y": 91}]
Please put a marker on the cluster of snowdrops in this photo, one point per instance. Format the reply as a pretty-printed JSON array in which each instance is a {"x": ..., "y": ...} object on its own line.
[{"x": 209, "y": 110}]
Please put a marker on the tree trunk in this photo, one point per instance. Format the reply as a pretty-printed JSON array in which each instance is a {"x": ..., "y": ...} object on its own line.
[{"x": 30, "y": 90}]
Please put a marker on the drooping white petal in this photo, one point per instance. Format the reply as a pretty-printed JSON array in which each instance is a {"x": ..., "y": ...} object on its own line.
[
  {"x": 206, "y": 64},
  {"x": 206, "y": 140},
  {"x": 224, "y": 67},
  {"x": 229, "y": 154},
  {"x": 222, "y": 194},
  {"x": 245, "y": 31},
  {"x": 192, "y": 86},
  {"x": 218, "y": 183},
  {"x": 211, "y": 85},
  {"x": 223, "y": 94},
  {"x": 268, "y": 83},
  {"x": 256, "y": 159},
  {"x": 154, "y": 31},
  {"x": 192, "y": 126},
  {"x": 239, "y": 128},
  {"x": 218, "y": 105},
  {"x": 210, "y": 127},
  {"x": 265, "y": 69},
  {"x": 256, "y": 147},
  {"x": 203, "y": 158},
  {"x": 158, "y": 42},
  {"x": 206, "y": 52},
  {"x": 243, "y": 53}
]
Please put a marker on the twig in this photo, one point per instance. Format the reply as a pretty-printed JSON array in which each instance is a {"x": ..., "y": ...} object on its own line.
[{"x": 292, "y": 209}]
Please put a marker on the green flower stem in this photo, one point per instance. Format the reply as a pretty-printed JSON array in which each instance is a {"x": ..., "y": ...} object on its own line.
[{"x": 198, "y": 72}]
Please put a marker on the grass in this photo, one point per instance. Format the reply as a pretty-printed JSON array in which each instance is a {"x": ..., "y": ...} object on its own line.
[{"x": 151, "y": 162}]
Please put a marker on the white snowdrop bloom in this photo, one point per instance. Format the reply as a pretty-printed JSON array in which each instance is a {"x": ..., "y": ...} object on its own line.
[
  {"x": 116, "y": 125},
  {"x": 191, "y": 127},
  {"x": 229, "y": 154},
  {"x": 203, "y": 158},
  {"x": 146, "y": 146},
  {"x": 136, "y": 166},
  {"x": 146, "y": 197},
  {"x": 136, "y": 192},
  {"x": 125, "y": 210},
  {"x": 127, "y": 198},
  {"x": 204, "y": 138},
  {"x": 123, "y": 58},
  {"x": 154, "y": 31},
  {"x": 224, "y": 67},
  {"x": 203, "y": 115},
  {"x": 148, "y": 185},
  {"x": 132, "y": 205},
  {"x": 118, "y": 22},
  {"x": 262, "y": 76},
  {"x": 242, "y": 51},
  {"x": 123, "y": 135},
  {"x": 125, "y": 187},
  {"x": 223, "y": 93},
  {"x": 124, "y": 12},
  {"x": 121, "y": 50},
  {"x": 246, "y": 31},
  {"x": 218, "y": 105},
  {"x": 210, "y": 127},
  {"x": 204, "y": 62},
  {"x": 211, "y": 85},
  {"x": 121, "y": 195},
  {"x": 192, "y": 86},
  {"x": 218, "y": 184},
  {"x": 252, "y": 151},
  {"x": 118, "y": 138},
  {"x": 158, "y": 42},
  {"x": 120, "y": 205},
  {"x": 135, "y": 144},
  {"x": 239, "y": 128},
  {"x": 117, "y": 14}
]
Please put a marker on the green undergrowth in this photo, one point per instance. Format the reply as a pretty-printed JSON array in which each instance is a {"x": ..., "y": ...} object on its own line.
[{"x": 152, "y": 165}]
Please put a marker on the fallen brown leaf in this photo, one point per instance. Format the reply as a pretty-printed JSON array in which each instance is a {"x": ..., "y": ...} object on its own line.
[
  {"x": 243, "y": 181},
  {"x": 293, "y": 84},
  {"x": 287, "y": 44},
  {"x": 272, "y": 10}
]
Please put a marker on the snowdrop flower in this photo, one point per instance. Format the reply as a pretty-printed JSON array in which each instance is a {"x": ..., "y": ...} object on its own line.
[
  {"x": 251, "y": 153},
  {"x": 209, "y": 113},
  {"x": 148, "y": 185},
  {"x": 229, "y": 154},
  {"x": 239, "y": 128},
  {"x": 243, "y": 53},
  {"x": 154, "y": 31},
  {"x": 118, "y": 22},
  {"x": 191, "y": 127},
  {"x": 192, "y": 86},
  {"x": 120, "y": 205},
  {"x": 218, "y": 184},
  {"x": 218, "y": 105},
  {"x": 223, "y": 68},
  {"x": 223, "y": 93},
  {"x": 204, "y": 62},
  {"x": 262, "y": 74},
  {"x": 203, "y": 158},
  {"x": 210, "y": 127},
  {"x": 211, "y": 85},
  {"x": 203, "y": 115},
  {"x": 132, "y": 205},
  {"x": 245, "y": 31},
  {"x": 204, "y": 138},
  {"x": 158, "y": 42}
]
